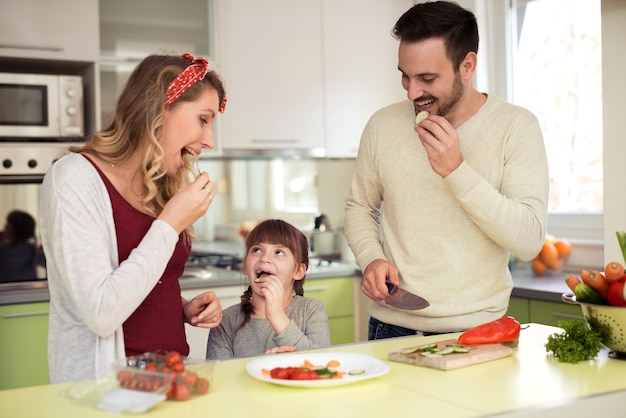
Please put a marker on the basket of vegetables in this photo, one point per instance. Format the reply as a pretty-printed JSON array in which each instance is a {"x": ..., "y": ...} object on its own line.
[{"x": 602, "y": 300}]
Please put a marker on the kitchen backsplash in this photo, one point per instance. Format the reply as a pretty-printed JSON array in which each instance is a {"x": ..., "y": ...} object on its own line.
[{"x": 332, "y": 181}]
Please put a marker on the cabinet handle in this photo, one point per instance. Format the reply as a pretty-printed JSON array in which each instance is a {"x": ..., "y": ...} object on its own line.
[
  {"x": 274, "y": 141},
  {"x": 227, "y": 296},
  {"x": 33, "y": 47},
  {"x": 24, "y": 314},
  {"x": 566, "y": 316},
  {"x": 317, "y": 288}
]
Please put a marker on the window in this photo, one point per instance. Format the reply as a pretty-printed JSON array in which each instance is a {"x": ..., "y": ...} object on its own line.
[
  {"x": 557, "y": 74},
  {"x": 555, "y": 70}
]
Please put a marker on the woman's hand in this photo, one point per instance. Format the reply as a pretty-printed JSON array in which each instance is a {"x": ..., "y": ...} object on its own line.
[
  {"x": 189, "y": 203},
  {"x": 204, "y": 310}
]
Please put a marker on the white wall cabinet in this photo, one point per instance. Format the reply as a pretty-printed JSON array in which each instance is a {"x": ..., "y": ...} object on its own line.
[
  {"x": 360, "y": 67},
  {"x": 270, "y": 58},
  {"x": 61, "y": 30},
  {"x": 306, "y": 75}
]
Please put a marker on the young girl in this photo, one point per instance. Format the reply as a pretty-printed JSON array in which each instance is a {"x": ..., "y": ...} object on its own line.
[{"x": 270, "y": 318}]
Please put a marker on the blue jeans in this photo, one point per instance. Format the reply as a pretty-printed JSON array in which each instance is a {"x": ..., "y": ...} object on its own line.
[{"x": 378, "y": 330}]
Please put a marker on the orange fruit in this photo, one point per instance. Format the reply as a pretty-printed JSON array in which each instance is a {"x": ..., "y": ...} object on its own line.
[
  {"x": 549, "y": 255},
  {"x": 538, "y": 266},
  {"x": 564, "y": 247}
]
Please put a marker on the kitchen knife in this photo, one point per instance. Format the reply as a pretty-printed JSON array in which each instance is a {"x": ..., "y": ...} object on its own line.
[{"x": 402, "y": 299}]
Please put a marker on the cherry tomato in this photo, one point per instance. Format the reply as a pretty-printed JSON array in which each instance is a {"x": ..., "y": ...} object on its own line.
[
  {"x": 302, "y": 375},
  {"x": 190, "y": 378},
  {"x": 124, "y": 376},
  {"x": 173, "y": 357},
  {"x": 202, "y": 385},
  {"x": 279, "y": 373},
  {"x": 151, "y": 367},
  {"x": 178, "y": 367},
  {"x": 182, "y": 392}
]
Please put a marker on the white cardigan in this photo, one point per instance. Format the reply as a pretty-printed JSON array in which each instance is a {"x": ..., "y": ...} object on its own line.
[{"x": 90, "y": 294}]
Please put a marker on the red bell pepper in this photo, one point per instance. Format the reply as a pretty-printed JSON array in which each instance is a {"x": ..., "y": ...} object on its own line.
[{"x": 503, "y": 330}]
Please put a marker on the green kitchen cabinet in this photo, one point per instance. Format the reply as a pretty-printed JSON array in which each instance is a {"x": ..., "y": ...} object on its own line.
[
  {"x": 550, "y": 313},
  {"x": 23, "y": 345},
  {"x": 337, "y": 295},
  {"x": 519, "y": 308},
  {"x": 542, "y": 311}
]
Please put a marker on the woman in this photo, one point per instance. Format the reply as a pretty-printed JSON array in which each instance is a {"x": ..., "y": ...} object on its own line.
[
  {"x": 117, "y": 221},
  {"x": 271, "y": 319}
]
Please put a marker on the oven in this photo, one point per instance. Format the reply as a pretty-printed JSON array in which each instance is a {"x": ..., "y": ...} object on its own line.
[{"x": 22, "y": 168}]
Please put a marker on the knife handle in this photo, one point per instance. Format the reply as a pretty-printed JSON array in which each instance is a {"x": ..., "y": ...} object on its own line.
[{"x": 392, "y": 288}]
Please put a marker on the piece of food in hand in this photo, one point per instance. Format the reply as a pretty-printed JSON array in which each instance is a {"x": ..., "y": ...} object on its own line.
[
  {"x": 421, "y": 116},
  {"x": 503, "y": 330}
]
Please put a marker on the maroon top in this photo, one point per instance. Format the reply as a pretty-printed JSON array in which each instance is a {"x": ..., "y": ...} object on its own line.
[{"x": 157, "y": 324}]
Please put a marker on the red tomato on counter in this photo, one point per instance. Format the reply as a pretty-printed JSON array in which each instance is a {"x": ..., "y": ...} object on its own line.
[{"x": 615, "y": 293}]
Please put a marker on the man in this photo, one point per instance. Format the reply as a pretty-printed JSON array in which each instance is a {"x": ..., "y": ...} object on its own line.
[{"x": 461, "y": 190}]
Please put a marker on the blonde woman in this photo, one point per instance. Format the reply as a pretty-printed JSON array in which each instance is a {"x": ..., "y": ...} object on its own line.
[{"x": 117, "y": 217}]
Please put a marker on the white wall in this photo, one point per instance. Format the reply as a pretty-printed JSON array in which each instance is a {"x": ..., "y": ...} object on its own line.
[{"x": 613, "y": 93}]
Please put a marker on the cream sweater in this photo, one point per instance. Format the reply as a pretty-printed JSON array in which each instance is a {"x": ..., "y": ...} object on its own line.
[
  {"x": 90, "y": 294},
  {"x": 449, "y": 238}
]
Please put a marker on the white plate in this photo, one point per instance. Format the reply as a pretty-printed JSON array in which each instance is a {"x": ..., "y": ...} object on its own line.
[{"x": 347, "y": 362}]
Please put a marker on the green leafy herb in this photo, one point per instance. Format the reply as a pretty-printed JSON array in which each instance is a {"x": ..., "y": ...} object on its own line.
[{"x": 577, "y": 343}]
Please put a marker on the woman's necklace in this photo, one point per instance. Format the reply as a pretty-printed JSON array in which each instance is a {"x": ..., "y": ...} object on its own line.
[{"x": 130, "y": 187}]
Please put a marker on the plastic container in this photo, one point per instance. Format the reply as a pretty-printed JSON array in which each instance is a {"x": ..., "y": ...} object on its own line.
[{"x": 134, "y": 387}]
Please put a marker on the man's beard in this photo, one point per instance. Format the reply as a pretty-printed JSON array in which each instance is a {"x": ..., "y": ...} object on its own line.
[{"x": 455, "y": 96}]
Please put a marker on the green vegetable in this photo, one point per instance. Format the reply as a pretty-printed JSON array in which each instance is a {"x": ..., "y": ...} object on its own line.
[
  {"x": 577, "y": 343},
  {"x": 587, "y": 294},
  {"x": 621, "y": 238}
]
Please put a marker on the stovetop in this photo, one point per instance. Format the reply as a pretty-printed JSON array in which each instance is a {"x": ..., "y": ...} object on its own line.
[
  {"x": 223, "y": 261},
  {"x": 210, "y": 265}
]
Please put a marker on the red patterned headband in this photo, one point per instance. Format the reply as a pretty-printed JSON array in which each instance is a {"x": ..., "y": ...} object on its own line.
[{"x": 196, "y": 71}]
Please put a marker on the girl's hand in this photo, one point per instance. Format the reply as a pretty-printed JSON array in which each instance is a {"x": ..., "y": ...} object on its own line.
[
  {"x": 204, "y": 310},
  {"x": 281, "y": 349},
  {"x": 273, "y": 291},
  {"x": 189, "y": 203}
]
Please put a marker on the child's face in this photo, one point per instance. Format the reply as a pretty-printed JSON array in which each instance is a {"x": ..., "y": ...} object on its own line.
[{"x": 265, "y": 260}]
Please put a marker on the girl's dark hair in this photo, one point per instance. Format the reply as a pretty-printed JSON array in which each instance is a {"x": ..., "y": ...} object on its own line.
[
  {"x": 21, "y": 226},
  {"x": 440, "y": 19},
  {"x": 276, "y": 231}
]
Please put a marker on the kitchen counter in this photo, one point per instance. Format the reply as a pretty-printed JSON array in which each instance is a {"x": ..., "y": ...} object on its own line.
[
  {"x": 525, "y": 283},
  {"x": 527, "y": 384}
]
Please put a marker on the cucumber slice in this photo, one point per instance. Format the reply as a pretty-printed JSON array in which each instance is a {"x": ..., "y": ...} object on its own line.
[
  {"x": 356, "y": 372},
  {"x": 447, "y": 350},
  {"x": 421, "y": 116}
]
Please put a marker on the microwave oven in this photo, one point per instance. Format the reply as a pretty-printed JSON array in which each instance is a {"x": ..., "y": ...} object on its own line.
[{"x": 41, "y": 107}]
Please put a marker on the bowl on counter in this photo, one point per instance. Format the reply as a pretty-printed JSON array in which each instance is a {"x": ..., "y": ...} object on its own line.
[{"x": 610, "y": 319}]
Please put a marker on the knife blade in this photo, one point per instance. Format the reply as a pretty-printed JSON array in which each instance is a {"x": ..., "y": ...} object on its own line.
[{"x": 402, "y": 299}]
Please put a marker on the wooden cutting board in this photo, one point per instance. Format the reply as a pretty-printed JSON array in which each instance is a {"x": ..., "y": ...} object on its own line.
[{"x": 477, "y": 354}]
